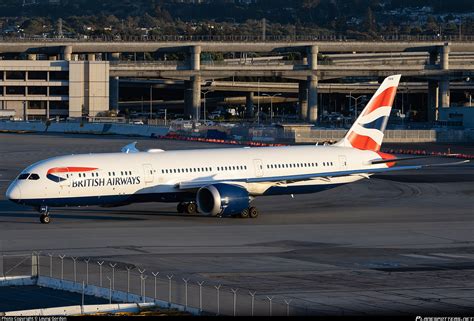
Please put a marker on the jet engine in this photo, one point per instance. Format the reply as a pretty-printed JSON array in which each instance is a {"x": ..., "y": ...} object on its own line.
[{"x": 222, "y": 199}]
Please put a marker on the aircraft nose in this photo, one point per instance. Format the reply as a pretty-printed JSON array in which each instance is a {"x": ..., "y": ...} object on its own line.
[{"x": 14, "y": 193}]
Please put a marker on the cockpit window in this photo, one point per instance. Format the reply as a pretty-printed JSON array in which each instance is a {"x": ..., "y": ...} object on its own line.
[
  {"x": 23, "y": 176},
  {"x": 34, "y": 177}
]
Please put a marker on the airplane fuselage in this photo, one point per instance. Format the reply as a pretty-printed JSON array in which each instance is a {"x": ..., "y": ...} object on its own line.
[{"x": 112, "y": 179}]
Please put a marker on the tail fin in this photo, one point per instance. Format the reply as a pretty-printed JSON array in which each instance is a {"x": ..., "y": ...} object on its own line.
[{"x": 368, "y": 130}]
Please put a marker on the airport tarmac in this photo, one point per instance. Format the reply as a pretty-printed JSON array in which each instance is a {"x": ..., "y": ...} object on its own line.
[{"x": 395, "y": 244}]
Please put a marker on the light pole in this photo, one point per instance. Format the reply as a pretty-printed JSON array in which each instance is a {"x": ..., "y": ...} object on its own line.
[
  {"x": 271, "y": 104},
  {"x": 355, "y": 105},
  {"x": 258, "y": 102},
  {"x": 204, "y": 93},
  {"x": 151, "y": 101}
]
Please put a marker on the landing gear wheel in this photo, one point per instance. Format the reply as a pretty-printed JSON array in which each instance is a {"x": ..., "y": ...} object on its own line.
[
  {"x": 45, "y": 219},
  {"x": 180, "y": 208},
  {"x": 190, "y": 208},
  {"x": 253, "y": 212},
  {"x": 245, "y": 213}
]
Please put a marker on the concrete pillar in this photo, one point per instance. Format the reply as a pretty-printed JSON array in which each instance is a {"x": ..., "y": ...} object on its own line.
[
  {"x": 313, "y": 57},
  {"x": 303, "y": 95},
  {"x": 196, "y": 97},
  {"x": 114, "y": 93},
  {"x": 444, "y": 94},
  {"x": 313, "y": 98},
  {"x": 192, "y": 98},
  {"x": 195, "y": 58},
  {"x": 66, "y": 52},
  {"x": 444, "y": 100},
  {"x": 249, "y": 112},
  {"x": 32, "y": 57},
  {"x": 188, "y": 90},
  {"x": 444, "y": 56},
  {"x": 91, "y": 57},
  {"x": 433, "y": 101}
]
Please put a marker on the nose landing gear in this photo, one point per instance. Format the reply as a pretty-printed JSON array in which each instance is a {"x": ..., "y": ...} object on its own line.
[{"x": 44, "y": 217}]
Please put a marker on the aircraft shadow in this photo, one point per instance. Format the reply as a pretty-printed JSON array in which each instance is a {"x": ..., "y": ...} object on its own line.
[
  {"x": 427, "y": 178},
  {"x": 8, "y": 209}
]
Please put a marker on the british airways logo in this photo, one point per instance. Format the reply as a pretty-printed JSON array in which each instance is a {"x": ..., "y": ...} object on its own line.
[
  {"x": 89, "y": 182},
  {"x": 57, "y": 170}
]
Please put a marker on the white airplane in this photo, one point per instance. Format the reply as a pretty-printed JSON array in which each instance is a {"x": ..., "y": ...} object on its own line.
[{"x": 217, "y": 182}]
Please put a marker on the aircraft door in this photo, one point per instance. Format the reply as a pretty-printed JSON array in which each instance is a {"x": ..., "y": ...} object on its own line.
[
  {"x": 148, "y": 173},
  {"x": 342, "y": 162},
  {"x": 258, "y": 164}
]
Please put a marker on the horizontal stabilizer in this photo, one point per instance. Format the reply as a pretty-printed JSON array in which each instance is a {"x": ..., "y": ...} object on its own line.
[
  {"x": 396, "y": 160},
  {"x": 130, "y": 148}
]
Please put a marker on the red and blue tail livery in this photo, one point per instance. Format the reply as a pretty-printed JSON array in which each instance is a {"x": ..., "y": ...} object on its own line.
[{"x": 368, "y": 130}]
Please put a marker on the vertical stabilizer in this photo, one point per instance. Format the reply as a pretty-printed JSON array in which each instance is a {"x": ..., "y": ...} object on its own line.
[{"x": 367, "y": 131}]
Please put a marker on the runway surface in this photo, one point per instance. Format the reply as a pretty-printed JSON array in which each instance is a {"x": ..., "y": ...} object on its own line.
[{"x": 395, "y": 244}]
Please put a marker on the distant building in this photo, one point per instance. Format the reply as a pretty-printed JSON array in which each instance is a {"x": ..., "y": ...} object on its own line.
[{"x": 48, "y": 88}]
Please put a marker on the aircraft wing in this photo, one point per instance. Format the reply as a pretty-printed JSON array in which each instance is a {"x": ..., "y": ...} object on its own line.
[{"x": 304, "y": 177}]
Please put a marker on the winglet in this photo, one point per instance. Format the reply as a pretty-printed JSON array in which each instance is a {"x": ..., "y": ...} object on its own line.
[{"x": 130, "y": 148}]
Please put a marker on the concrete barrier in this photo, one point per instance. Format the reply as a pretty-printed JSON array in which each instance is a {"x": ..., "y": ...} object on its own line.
[
  {"x": 117, "y": 296},
  {"x": 85, "y": 128},
  {"x": 17, "y": 280}
]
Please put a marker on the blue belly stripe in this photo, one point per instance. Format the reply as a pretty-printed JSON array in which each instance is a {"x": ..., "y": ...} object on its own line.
[{"x": 119, "y": 200}]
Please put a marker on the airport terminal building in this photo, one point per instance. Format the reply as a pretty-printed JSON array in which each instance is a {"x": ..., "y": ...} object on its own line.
[{"x": 39, "y": 89}]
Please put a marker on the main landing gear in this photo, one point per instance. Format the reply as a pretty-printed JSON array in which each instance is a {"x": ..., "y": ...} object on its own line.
[
  {"x": 44, "y": 217},
  {"x": 251, "y": 212},
  {"x": 187, "y": 207}
]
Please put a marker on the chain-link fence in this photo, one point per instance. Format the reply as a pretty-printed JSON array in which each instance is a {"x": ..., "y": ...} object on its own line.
[
  {"x": 15, "y": 265},
  {"x": 140, "y": 284}
]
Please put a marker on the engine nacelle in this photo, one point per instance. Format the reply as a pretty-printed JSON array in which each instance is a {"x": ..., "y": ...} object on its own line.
[{"x": 223, "y": 199}]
